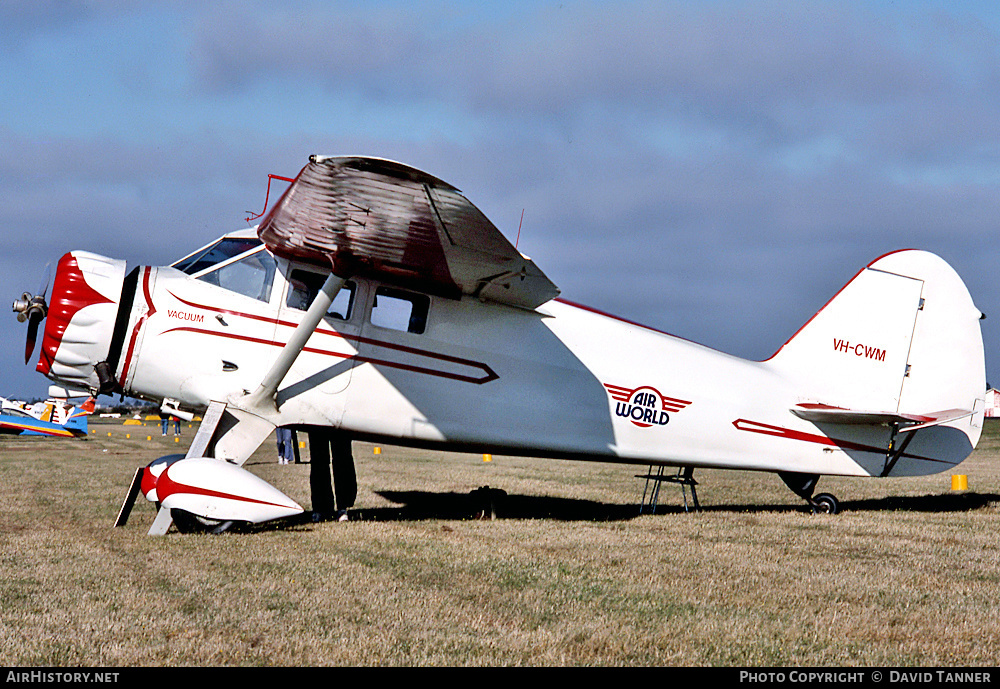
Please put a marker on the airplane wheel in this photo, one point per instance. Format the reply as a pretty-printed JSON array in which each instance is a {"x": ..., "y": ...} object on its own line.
[
  {"x": 826, "y": 504},
  {"x": 187, "y": 522}
]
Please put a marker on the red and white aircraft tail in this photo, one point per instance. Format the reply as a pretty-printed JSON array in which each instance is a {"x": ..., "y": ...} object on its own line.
[{"x": 900, "y": 345}]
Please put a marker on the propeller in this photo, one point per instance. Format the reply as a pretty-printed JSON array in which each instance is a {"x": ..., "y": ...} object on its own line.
[{"x": 32, "y": 309}]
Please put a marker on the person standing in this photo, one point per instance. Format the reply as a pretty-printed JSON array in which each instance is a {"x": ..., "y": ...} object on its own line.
[{"x": 286, "y": 445}]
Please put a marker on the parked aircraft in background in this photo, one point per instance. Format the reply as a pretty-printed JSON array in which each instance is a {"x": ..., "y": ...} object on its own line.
[
  {"x": 375, "y": 302},
  {"x": 53, "y": 417}
]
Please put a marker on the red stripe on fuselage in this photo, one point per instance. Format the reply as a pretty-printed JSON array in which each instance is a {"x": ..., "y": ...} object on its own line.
[
  {"x": 490, "y": 373},
  {"x": 790, "y": 434},
  {"x": 356, "y": 339}
]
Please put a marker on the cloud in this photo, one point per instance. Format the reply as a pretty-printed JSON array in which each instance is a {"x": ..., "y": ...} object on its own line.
[{"x": 715, "y": 169}]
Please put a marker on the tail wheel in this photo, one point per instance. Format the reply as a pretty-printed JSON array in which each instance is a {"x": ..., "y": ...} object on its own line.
[{"x": 826, "y": 504}]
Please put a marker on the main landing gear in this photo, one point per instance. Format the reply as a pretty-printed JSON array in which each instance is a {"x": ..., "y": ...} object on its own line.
[
  {"x": 803, "y": 485},
  {"x": 188, "y": 522}
]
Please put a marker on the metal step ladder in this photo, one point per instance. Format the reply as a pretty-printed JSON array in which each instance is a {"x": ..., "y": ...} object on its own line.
[{"x": 655, "y": 478}]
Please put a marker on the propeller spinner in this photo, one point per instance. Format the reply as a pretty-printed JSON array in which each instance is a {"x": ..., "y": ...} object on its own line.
[{"x": 32, "y": 309}]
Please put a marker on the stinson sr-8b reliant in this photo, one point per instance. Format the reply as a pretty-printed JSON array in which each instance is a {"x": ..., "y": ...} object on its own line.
[{"x": 375, "y": 302}]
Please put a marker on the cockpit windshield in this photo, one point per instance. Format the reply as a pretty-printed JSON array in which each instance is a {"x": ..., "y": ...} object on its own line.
[
  {"x": 251, "y": 276},
  {"x": 216, "y": 253}
]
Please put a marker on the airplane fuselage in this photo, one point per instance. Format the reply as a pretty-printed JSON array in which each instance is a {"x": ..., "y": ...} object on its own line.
[{"x": 562, "y": 380}]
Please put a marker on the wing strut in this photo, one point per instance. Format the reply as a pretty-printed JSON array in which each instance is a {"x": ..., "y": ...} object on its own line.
[
  {"x": 253, "y": 414},
  {"x": 252, "y": 417},
  {"x": 265, "y": 393}
]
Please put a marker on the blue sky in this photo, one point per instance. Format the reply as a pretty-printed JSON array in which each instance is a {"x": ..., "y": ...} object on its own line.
[{"x": 717, "y": 170}]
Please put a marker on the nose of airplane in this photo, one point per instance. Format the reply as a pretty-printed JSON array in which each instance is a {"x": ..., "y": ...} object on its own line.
[{"x": 80, "y": 319}]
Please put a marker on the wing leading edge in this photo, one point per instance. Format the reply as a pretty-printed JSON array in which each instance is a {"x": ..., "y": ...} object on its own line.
[{"x": 382, "y": 219}]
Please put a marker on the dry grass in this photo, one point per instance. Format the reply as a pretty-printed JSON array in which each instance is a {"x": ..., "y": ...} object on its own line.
[{"x": 569, "y": 574}]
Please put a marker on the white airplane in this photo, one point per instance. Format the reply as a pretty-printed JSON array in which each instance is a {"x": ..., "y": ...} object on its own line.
[{"x": 375, "y": 302}]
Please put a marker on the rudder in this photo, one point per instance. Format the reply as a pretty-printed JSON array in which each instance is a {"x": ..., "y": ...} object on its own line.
[{"x": 901, "y": 337}]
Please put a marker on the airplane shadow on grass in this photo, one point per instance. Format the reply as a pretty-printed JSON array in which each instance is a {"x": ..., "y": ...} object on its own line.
[
  {"x": 938, "y": 503},
  {"x": 492, "y": 503},
  {"x": 489, "y": 503},
  {"x": 485, "y": 503},
  {"x": 415, "y": 505},
  {"x": 429, "y": 505},
  {"x": 942, "y": 502}
]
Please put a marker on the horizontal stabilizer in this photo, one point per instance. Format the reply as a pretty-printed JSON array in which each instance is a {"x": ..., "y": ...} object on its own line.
[{"x": 824, "y": 413}]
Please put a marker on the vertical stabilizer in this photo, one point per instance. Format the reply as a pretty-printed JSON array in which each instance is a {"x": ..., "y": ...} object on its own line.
[
  {"x": 901, "y": 339},
  {"x": 853, "y": 353}
]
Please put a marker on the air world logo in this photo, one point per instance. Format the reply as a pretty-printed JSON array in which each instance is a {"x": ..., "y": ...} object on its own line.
[{"x": 644, "y": 406}]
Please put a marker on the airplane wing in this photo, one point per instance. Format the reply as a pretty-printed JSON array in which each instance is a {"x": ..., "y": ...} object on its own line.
[
  {"x": 824, "y": 413},
  {"x": 29, "y": 426},
  {"x": 382, "y": 219}
]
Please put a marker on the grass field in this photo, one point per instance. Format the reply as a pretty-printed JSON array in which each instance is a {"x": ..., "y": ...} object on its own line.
[{"x": 568, "y": 574}]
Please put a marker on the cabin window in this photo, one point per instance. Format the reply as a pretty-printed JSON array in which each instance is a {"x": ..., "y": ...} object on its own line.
[
  {"x": 399, "y": 310},
  {"x": 222, "y": 250},
  {"x": 303, "y": 286},
  {"x": 252, "y": 276}
]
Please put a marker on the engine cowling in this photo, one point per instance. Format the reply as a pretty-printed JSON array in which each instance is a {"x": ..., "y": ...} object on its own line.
[{"x": 81, "y": 318}]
